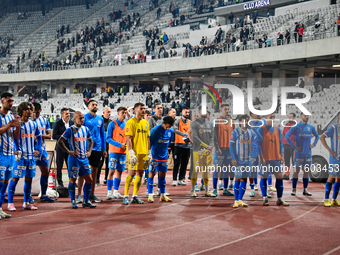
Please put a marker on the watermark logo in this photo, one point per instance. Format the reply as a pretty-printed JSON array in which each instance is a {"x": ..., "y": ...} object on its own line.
[{"x": 238, "y": 99}]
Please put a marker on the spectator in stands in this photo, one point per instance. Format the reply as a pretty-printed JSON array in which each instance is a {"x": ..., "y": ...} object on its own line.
[
  {"x": 316, "y": 81},
  {"x": 269, "y": 42},
  {"x": 244, "y": 43},
  {"x": 322, "y": 81},
  {"x": 233, "y": 42},
  {"x": 279, "y": 39},
  {"x": 256, "y": 101},
  {"x": 296, "y": 32},
  {"x": 237, "y": 44},
  {"x": 255, "y": 15},
  {"x": 287, "y": 36},
  {"x": 159, "y": 10},
  {"x": 300, "y": 32},
  {"x": 182, "y": 19},
  {"x": 231, "y": 18}
]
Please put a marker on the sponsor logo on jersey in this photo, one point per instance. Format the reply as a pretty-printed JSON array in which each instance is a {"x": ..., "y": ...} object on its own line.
[
  {"x": 245, "y": 141},
  {"x": 80, "y": 139},
  {"x": 27, "y": 135},
  {"x": 141, "y": 131}
]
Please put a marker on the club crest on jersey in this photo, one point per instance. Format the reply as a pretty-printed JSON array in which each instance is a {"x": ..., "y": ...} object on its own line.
[{"x": 127, "y": 130}]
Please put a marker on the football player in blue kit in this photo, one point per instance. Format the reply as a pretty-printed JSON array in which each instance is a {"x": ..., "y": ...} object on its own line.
[
  {"x": 78, "y": 164},
  {"x": 333, "y": 132},
  {"x": 43, "y": 161},
  {"x": 9, "y": 129},
  {"x": 242, "y": 141},
  {"x": 160, "y": 138},
  {"x": 25, "y": 165},
  {"x": 303, "y": 133}
]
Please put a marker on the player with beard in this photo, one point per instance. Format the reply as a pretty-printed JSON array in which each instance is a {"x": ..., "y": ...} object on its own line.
[
  {"x": 9, "y": 129},
  {"x": 95, "y": 123}
]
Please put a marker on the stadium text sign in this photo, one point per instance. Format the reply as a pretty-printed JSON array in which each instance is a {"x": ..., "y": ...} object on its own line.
[
  {"x": 255, "y": 5},
  {"x": 238, "y": 100}
]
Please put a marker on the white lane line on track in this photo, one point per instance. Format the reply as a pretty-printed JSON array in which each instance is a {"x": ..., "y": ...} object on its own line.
[
  {"x": 256, "y": 234},
  {"x": 144, "y": 234},
  {"x": 89, "y": 222},
  {"x": 331, "y": 251}
]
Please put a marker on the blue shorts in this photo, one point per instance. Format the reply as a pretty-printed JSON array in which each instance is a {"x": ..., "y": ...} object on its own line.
[
  {"x": 24, "y": 168},
  {"x": 243, "y": 170},
  {"x": 158, "y": 166},
  {"x": 117, "y": 161},
  {"x": 6, "y": 167},
  {"x": 222, "y": 159},
  {"x": 303, "y": 160},
  {"x": 272, "y": 166},
  {"x": 44, "y": 160},
  {"x": 78, "y": 167}
]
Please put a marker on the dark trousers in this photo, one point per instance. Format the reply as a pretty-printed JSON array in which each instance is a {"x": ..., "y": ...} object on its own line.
[
  {"x": 106, "y": 167},
  {"x": 288, "y": 154},
  {"x": 181, "y": 158},
  {"x": 61, "y": 156}
]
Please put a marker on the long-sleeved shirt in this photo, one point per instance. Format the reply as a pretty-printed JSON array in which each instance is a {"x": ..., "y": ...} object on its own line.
[
  {"x": 303, "y": 134},
  {"x": 202, "y": 132},
  {"x": 285, "y": 130},
  {"x": 154, "y": 121},
  {"x": 96, "y": 127},
  {"x": 333, "y": 133},
  {"x": 110, "y": 130},
  {"x": 159, "y": 142},
  {"x": 6, "y": 138}
]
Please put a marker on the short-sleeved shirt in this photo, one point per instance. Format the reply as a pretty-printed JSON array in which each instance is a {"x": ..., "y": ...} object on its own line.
[
  {"x": 241, "y": 144},
  {"x": 333, "y": 132},
  {"x": 77, "y": 139},
  {"x": 140, "y": 132},
  {"x": 25, "y": 143},
  {"x": 6, "y": 138},
  {"x": 43, "y": 125}
]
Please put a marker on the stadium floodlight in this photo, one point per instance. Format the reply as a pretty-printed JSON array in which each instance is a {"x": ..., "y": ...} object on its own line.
[
  {"x": 235, "y": 73},
  {"x": 336, "y": 65}
]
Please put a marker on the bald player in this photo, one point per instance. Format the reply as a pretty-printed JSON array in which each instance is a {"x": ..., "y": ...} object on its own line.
[{"x": 78, "y": 163}]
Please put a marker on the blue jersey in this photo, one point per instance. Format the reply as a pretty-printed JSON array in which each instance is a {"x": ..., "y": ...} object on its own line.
[
  {"x": 7, "y": 141},
  {"x": 333, "y": 132},
  {"x": 271, "y": 129},
  {"x": 77, "y": 139},
  {"x": 110, "y": 130},
  {"x": 96, "y": 127},
  {"x": 303, "y": 134},
  {"x": 159, "y": 142},
  {"x": 43, "y": 125},
  {"x": 25, "y": 143},
  {"x": 241, "y": 143},
  {"x": 257, "y": 125}
]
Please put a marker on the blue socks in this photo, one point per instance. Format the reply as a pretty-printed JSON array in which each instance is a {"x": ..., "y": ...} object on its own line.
[
  {"x": 87, "y": 190},
  {"x": 263, "y": 186},
  {"x": 236, "y": 190},
  {"x": 336, "y": 190},
  {"x": 215, "y": 180},
  {"x": 72, "y": 191},
  {"x": 116, "y": 184},
  {"x": 252, "y": 185},
  {"x": 255, "y": 181},
  {"x": 11, "y": 191},
  {"x": 43, "y": 184},
  {"x": 27, "y": 190},
  {"x": 109, "y": 184},
  {"x": 270, "y": 180},
  {"x": 305, "y": 182},
  {"x": 327, "y": 190},
  {"x": 279, "y": 188},
  {"x": 294, "y": 182},
  {"x": 150, "y": 185},
  {"x": 225, "y": 179},
  {"x": 161, "y": 184},
  {"x": 242, "y": 190},
  {"x": 202, "y": 181}
]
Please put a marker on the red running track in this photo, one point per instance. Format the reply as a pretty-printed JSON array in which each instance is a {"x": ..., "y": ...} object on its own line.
[{"x": 186, "y": 226}]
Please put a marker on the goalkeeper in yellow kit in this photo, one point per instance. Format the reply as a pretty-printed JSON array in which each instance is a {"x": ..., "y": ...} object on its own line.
[
  {"x": 137, "y": 134},
  {"x": 202, "y": 137}
]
